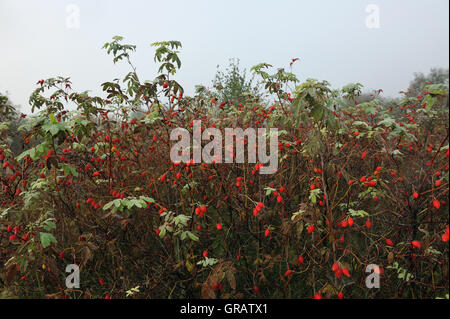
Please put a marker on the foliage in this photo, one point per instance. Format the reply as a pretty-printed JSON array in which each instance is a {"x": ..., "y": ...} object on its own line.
[
  {"x": 358, "y": 183},
  {"x": 435, "y": 76}
]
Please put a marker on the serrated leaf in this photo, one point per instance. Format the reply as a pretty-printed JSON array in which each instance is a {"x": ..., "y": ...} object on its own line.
[{"x": 46, "y": 239}]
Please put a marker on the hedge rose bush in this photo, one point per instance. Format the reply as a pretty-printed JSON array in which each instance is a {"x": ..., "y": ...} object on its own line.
[{"x": 358, "y": 183}]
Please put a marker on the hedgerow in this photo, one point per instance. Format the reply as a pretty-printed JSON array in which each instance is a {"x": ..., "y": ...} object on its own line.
[{"x": 357, "y": 184}]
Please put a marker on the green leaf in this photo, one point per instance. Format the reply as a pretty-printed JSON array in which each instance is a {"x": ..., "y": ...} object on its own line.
[
  {"x": 147, "y": 199},
  {"x": 357, "y": 213},
  {"x": 108, "y": 206},
  {"x": 49, "y": 225},
  {"x": 314, "y": 194},
  {"x": 192, "y": 236},
  {"x": 69, "y": 170},
  {"x": 269, "y": 190},
  {"x": 47, "y": 239}
]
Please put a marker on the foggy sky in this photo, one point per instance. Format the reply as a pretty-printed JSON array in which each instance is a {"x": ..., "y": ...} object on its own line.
[{"x": 330, "y": 37}]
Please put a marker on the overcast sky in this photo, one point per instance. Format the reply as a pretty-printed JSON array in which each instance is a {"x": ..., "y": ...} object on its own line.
[{"x": 331, "y": 38}]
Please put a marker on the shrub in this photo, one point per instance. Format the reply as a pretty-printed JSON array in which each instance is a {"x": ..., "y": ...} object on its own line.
[{"x": 357, "y": 184}]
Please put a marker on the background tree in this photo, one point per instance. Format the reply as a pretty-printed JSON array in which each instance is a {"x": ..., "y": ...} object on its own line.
[
  {"x": 232, "y": 83},
  {"x": 436, "y": 76},
  {"x": 10, "y": 121}
]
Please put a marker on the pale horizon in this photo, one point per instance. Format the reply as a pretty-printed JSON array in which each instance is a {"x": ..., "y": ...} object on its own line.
[{"x": 331, "y": 39}]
